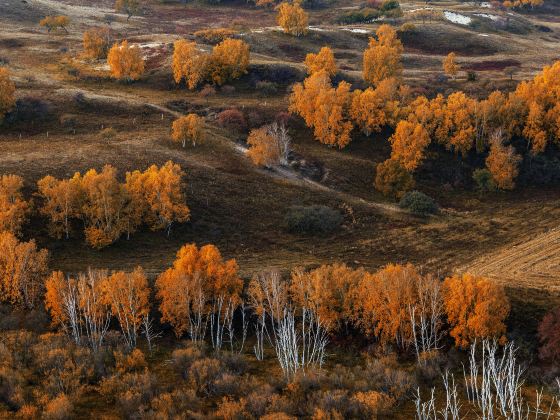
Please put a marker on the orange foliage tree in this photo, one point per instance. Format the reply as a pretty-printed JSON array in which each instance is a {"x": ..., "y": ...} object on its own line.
[
  {"x": 375, "y": 108},
  {"x": 22, "y": 271},
  {"x": 55, "y": 22},
  {"x": 189, "y": 63},
  {"x": 323, "y": 60},
  {"x": 229, "y": 61},
  {"x": 97, "y": 42},
  {"x": 128, "y": 296},
  {"x": 325, "y": 108},
  {"x": 450, "y": 66},
  {"x": 269, "y": 145},
  {"x": 13, "y": 208},
  {"x": 188, "y": 127},
  {"x": 392, "y": 179},
  {"x": 103, "y": 208},
  {"x": 383, "y": 300},
  {"x": 7, "y": 93},
  {"x": 293, "y": 19},
  {"x": 476, "y": 308},
  {"x": 408, "y": 144},
  {"x": 328, "y": 290},
  {"x": 158, "y": 192},
  {"x": 200, "y": 289},
  {"x": 382, "y": 58},
  {"x": 62, "y": 202},
  {"x": 502, "y": 162},
  {"x": 125, "y": 62}
]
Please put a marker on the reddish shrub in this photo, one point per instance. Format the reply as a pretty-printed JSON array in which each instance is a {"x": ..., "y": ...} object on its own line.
[
  {"x": 549, "y": 336},
  {"x": 232, "y": 119}
]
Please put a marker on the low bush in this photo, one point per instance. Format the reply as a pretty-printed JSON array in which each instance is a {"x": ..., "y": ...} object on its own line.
[
  {"x": 312, "y": 219},
  {"x": 483, "y": 180},
  {"x": 418, "y": 203},
  {"x": 232, "y": 119}
]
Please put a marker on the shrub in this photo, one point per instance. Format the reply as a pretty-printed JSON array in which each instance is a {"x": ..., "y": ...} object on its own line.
[
  {"x": 418, "y": 203},
  {"x": 265, "y": 87},
  {"x": 214, "y": 35},
  {"x": 232, "y": 119},
  {"x": 312, "y": 219},
  {"x": 183, "y": 358},
  {"x": 549, "y": 336},
  {"x": 471, "y": 76},
  {"x": 483, "y": 179},
  {"x": 59, "y": 408},
  {"x": 392, "y": 179},
  {"x": 29, "y": 108},
  {"x": 203, "y": 373},
  {"x": 107, "y": 133}
]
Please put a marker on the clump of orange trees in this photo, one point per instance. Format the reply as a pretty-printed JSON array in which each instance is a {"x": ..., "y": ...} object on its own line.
[
  {"x": 228, "y": 61},
  {"x": 125, "y": 62},
  {"x": 292, "y": 18},
  {"x": 200, "y": 294},
  {"x": 189, "y": 127},
  {"x": 269, "y": 145},
  {"x": 109, "y": 208},
  {"x": 22, "y": 271},
  {"x": 382, "y": 58}
]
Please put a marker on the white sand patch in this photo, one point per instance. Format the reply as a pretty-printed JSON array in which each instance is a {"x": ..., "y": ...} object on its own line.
[
  {"x": 488, "y": 16},
  {"x": 483, "y": 35},
  {"x": 457, "y": 18},
  {"x": 317, "y": 29},
  {"x": 486, "y": 5},
  {"x": 419, "y": 9},
  {"x": 357, "y": 30}
]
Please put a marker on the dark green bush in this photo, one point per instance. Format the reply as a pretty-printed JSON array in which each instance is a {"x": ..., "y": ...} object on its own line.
[
  {"x": 360, "y": 16},
  {"x": 418, "y": 203},
  {"x": 312, "y": 219},
  {"x": 483, "y": 179}
]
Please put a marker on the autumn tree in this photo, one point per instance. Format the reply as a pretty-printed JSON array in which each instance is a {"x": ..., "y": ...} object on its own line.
[
  {"x": 125, "y": 62},
  {"x": 129, "y": 7},
  {"x": 456, "y": 122},
  {"x": 293, "y": 19},
  {"x": 13, "y": 208},
  {"x": 375, "y": 108},
  {"x": 323, "y": 60},
  {"x": 54, "y": 22},
  {"x": 7, "y": 93},
  {"x": 269, "y": 145},
  {"x": 229, "y": 61},
  {"x": 128, "y": 296},
  {"x": 103, "y": 208},
  {"x": 97, "y": 42},
  {"x": 408, "y": 144},
  {"x": 62, "y": 202},
  {"x": 201, "y": 290},
  {"x": 328, "y": 289},
  {"x": 476, "y": 308},
  {"x": 502, "y": 162},
  {"x": 383, "y": 301},
  {"x": 22, "y": 271},
  {"x": 392, "y": 179},
  {"x": 382, "y": 58},
  {"x": 189, "y": 127},
  {"x": 324, "y": 108},
  {"x": 189, "y": 63},
  {"x": 450, "y": 66},
  {"x": 159, "y": 192}
]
